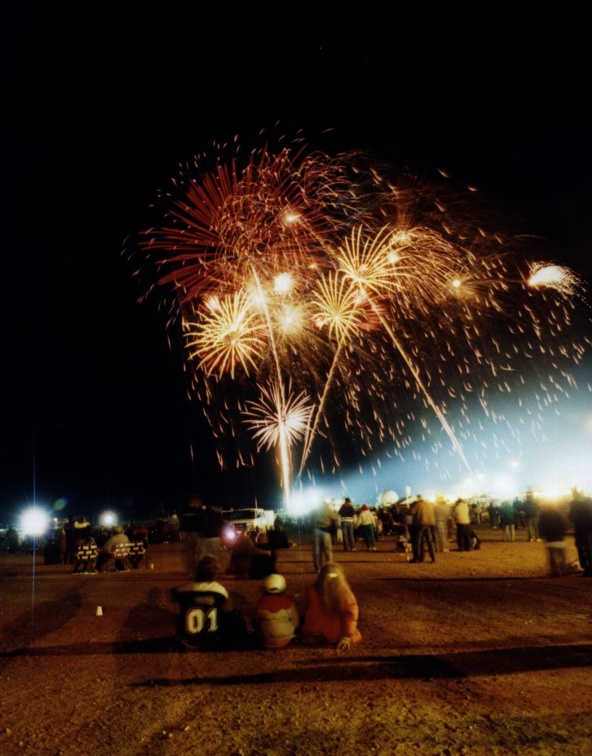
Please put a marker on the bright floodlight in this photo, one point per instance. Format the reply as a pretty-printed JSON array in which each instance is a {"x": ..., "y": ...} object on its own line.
[
  {"x": 108, "y": 519},
  {"x": 34, "y": 521}
]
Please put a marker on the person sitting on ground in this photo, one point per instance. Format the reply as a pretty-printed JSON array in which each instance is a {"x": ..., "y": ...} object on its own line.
[
  {"x": 276, "y": 614},
  {"x": 108, "y": 549},
  {"x": 247, "y": 560},
  {"x": 332, "y": 612},
  {"x": 207, "y": 618}
]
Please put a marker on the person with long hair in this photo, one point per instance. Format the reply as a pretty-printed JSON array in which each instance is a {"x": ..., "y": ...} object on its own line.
[{"x": 332, "y": 613}]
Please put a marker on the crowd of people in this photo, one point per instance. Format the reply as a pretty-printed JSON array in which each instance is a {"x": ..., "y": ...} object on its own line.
[
  {"x": 329, "y": 615},
  {"x": 207, "y": 618},
  {"x": 423, "y": 528},
  {"x": 420, "y": 527}
]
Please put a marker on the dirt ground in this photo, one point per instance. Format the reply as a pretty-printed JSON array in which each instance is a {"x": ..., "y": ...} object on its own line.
[{"x": 479, "y": 653}]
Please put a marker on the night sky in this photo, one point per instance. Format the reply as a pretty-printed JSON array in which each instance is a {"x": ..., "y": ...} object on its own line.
[{"x": 100, "y": 108}]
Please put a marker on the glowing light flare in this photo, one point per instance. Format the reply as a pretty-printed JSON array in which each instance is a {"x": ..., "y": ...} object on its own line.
[
  {"x": 34, "y": 521},
  {"x": 556, "y": 277},
  {"x": 283, "y": 283},
  {"x": 212, "y": 303},
  {"x": 290, "y": 319},
  {"x": 108, "y": 519},
  {"x": 291, "y": 217}
]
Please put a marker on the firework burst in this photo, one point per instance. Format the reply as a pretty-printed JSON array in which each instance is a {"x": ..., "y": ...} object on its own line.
[
  {"x": 557, "y": 277},
  {"x": 226, "y": 334},
  {"x": 327, "y": 309}
]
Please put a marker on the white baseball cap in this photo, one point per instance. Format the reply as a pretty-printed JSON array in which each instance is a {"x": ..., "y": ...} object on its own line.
[{"x": 275, "y": 584}]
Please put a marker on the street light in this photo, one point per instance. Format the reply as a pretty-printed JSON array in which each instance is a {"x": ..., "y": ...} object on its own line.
[
  {"x": 34, "y": 522},
  {"x": 108, "y": 519}
]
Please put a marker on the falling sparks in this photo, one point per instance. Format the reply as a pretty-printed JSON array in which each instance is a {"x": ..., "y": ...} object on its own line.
[
  {"x": 556, "y": 277},
  {"x": 226, "y": 335},
  {"x": 273, "y": 417},
  {"x": 326, "y": 309}
]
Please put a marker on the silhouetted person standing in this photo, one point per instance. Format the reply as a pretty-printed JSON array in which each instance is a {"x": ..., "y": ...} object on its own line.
[
  {"x": 580, "y": 513},
  {"x": 424, "y": 521},
  {"x": 348, "y": 517},
  {"x": 193, "y": 525},
  {"x": 553, "y": 527},
  {"x": 462, "y": 518},
  {"x": 531, "y": 517}
]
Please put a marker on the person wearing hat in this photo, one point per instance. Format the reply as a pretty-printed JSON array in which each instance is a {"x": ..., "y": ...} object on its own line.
[{"x": 277, "y": 618}]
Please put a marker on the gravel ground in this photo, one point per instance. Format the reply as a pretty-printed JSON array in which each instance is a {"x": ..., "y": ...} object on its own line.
[{"x": 479, "y": 653}]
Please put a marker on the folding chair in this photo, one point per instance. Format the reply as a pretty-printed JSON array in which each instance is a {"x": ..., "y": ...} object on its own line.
[
  {"x": 137, "y": 554},
  {"x": 120, "y": 554},
  {"x": 85, "y": 559}
]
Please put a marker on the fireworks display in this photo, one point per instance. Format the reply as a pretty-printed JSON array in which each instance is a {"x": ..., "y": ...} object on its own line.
[{"x": 331, "y": 312}]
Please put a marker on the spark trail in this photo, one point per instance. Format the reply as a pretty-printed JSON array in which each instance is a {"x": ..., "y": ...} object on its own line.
[{"x": 324, "y": 304}]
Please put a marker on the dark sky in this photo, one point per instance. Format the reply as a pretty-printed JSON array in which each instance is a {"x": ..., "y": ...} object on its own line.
[{"x": 99, "y": 109}]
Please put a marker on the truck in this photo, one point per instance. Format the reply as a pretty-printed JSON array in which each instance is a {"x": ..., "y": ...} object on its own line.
[{"x": 249, "y": 520}]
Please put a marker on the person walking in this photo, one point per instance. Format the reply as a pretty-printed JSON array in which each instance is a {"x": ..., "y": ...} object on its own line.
[
  {"x": 71, "y": 539},
  {"x": 348, "y": 517},
  {"x": 326, "y": 521},
  {"x": 508, "y": 521},
  {"x": 366, "y": 524}
]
